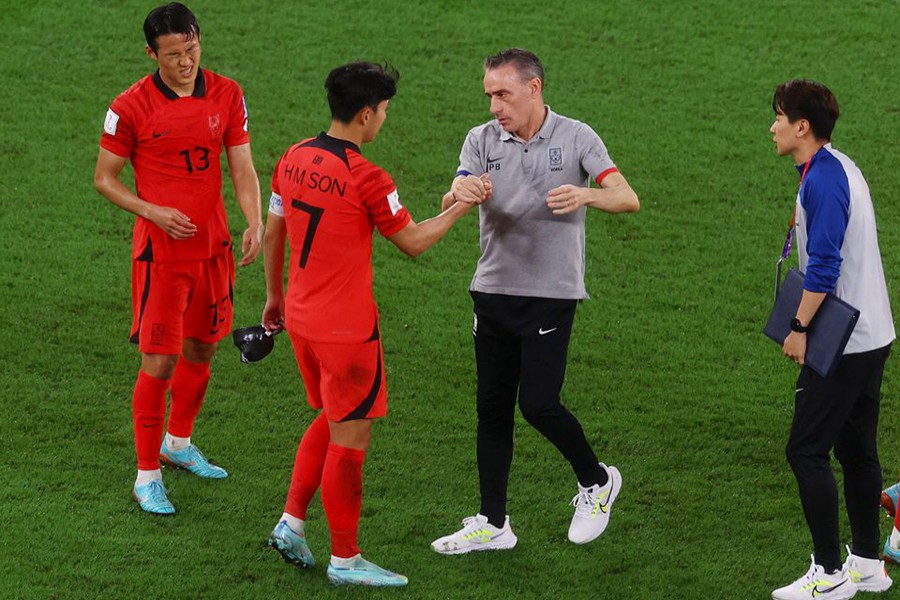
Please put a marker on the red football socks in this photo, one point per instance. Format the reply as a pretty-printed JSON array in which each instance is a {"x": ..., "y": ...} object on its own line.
[
  {"x": 188, "y": 389},
  {"x": 308, "y": 465},
  {"x": 342, "y": 497},
  {"x": 148, "y": 405}
]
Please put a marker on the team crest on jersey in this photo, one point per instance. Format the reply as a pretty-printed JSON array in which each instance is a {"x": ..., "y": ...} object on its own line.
[
  {"x": 215, "y": 124},
  {"x": 556, "y": 157}
]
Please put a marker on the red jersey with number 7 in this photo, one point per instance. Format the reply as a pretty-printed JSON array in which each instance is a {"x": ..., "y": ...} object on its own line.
[
  {"x": 174, "y": 144},
  {"x": 332, "y": 199}
]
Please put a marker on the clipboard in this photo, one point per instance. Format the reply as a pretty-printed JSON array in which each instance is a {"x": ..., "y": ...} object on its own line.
[{"x": 829, "y": 331}]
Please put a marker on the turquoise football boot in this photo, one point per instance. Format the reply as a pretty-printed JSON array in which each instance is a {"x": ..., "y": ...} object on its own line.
[
  {"x": 191, "y": 459},
  {"x": 889, "y": 554},
  {"x": 152, "y": 498},
  {"x": 889, "y": 499},
  {"x": 363, "y": 572},
  {"x": 291, "y": 545}
]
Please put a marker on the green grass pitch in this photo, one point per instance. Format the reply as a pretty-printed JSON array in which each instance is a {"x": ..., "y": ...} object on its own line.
[{"x": 668, "y": 370}]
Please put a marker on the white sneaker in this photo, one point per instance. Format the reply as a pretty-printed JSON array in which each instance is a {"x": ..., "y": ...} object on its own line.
[
  {"x": 868, "y": 574},
  {"x": 592, "y": 506},
  {"x": 476, "y": 534},
  {"x": 819, "y": 585}
]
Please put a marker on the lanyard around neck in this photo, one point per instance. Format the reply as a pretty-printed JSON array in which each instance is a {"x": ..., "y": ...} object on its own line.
[{"x": 789, "y": 238}]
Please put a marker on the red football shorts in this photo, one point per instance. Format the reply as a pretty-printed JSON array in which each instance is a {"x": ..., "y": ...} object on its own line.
[
  {"x": 347, "y": 380},
  {"x": 172, "y": 301}
]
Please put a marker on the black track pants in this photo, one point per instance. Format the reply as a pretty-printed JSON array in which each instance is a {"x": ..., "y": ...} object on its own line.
[
  {"x": 840, "y": 412},
  {"x": 520, "y": 349}
]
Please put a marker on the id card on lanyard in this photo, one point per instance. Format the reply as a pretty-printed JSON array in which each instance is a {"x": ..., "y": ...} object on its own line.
[{"x": 789, "y": 238}]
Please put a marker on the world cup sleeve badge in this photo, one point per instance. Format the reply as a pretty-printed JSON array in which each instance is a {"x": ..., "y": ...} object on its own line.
[{"x": 111, "y": 122}]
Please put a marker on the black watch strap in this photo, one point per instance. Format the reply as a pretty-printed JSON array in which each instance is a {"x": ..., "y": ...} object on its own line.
[{"x": 797, "y": 326}]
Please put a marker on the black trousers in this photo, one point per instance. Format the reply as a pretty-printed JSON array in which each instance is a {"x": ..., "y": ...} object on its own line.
[
  {"x": 520, "y": 350},
  {"x": 840, "y": 412}
]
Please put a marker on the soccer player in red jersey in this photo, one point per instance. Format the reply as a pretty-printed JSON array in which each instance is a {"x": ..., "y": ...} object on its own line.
[
  {"x": 326, "y": 202},
  {"x": 172, "y": 126}
]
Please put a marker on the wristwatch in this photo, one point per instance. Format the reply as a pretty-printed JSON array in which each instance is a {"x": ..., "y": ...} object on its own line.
[{"x": 797, "y": 326}]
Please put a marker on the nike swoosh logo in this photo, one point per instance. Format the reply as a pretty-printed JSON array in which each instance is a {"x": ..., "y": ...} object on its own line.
[
  {"x": 543, "y": 331},
  {"x": 816, "y": 591},
  {"x": 156, "y": 135},
  {"x": 798, "y": 390},
  {"x": 604, "y": 506}
]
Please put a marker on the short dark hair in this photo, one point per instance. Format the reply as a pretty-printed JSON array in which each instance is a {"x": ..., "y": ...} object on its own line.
[
  {"x": 807, "y": 99},
  {"x": 170, "y": 18},
  {"x": 354, "y": 86},
  {"x": 526, "y": 63}
]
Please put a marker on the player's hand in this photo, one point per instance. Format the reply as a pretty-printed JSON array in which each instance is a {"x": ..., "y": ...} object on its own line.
[
  {"x": 488, "y": 186},
  {"x": 174, "y": 222},
  {"x": 251, "y": 243},
  {"x": 566, "y": 199},
  {"x": 795, "y": 347},
  {"x": 469, "y": 189},
  {"x": 273, "y": 314}
]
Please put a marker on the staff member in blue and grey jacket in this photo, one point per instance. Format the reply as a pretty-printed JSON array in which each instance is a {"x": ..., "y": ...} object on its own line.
[{"x": 838, "y": 246}]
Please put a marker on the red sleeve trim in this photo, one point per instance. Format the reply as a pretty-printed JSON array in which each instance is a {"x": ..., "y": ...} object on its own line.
[
  {"x": 603, "y": 175},
  {"x": 114, "y": 146},
  {"x": 397, "y": 225}
]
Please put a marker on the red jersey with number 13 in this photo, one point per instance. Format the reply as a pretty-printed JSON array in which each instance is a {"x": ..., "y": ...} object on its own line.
[
  {"x": 174, "y": 144},
  {"x": 333, "y": 199}
]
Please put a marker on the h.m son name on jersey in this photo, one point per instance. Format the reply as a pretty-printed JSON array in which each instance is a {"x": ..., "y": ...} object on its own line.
[{"x": 315, "y": 180}]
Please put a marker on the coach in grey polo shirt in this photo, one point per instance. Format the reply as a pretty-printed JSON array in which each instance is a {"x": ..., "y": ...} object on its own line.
[
  {"x": 536, "y": 167},
  {"x": 528, "y": 250}
]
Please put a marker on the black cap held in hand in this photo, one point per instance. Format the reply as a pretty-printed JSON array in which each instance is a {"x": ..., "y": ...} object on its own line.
[{"x": 255, "y": 343}]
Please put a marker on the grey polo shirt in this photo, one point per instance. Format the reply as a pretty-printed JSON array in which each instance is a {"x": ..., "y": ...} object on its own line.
[{"x": 526, "y": 249}]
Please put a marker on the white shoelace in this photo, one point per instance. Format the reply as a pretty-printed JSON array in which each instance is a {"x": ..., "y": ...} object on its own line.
[
  {"x": 471, "y": 524},
  {"x": 812, "y": 574},
  {"x": 584, "y": 503}
]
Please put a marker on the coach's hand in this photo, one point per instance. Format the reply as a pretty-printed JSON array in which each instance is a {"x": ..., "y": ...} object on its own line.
[
  {"x": 469, "y": 189},
  {"x": 172, "y": 221},
  {"x": 251, "y": 243},
  {"x": 567, "y": 198},
  {"x": 488, "y": 186}
]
